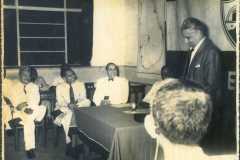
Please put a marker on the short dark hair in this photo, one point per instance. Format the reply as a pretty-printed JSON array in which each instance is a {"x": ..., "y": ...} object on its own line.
[
  {"x": 34, "y": 74},
  {"x": 64, "y": 69},
  {"x": 111, "y": 63},
  {"x": 195, "y": 23},
  {"x": 182, "y": 111},
  {"x": 28, "y": 69},
  {"x": 166, "y": 72}
]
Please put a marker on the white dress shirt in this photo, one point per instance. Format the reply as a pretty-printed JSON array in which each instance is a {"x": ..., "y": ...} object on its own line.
[
  {"x": 117, "y": 90},
  {"x": 63, "y": 95},
  {"x": 196, "y": 49},
  {"x": 19, "y": 93},
  {"x": 32, "y": 95},
  {"x": 6, "y": 91}
]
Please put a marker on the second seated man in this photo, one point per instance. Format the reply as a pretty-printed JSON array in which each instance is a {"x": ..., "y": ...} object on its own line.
[
  {"x": 69, "y": 94},
  {"x": 111, "y": 89}
]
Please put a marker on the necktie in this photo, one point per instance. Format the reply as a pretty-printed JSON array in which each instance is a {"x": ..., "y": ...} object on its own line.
[
  {"x": 188, "y": 58},
  {"x": 71, "y": 94},
  {"x": 24, "y": 89}
]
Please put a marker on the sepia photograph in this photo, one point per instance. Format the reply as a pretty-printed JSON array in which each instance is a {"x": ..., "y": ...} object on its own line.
[{"x": 119, "y": 79}]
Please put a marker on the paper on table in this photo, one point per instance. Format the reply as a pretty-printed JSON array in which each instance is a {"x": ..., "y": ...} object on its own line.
[
  {"x": 121, "y": 105},
  {"x": 138, "y": 111}
]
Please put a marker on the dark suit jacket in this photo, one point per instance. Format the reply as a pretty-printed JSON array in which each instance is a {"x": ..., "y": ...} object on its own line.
[{"x": 205, "y": 69}]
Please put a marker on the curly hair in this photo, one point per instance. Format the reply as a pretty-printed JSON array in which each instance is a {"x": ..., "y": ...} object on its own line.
[{"x": 182, "y": 111}]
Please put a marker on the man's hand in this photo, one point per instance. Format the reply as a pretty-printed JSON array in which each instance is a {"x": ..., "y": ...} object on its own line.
[
  {"x": 84, "y": 103},
  {"x": 72, "y": 105},
  {"x": 21, "y": 106},
  {"x": 58, "y": 119},
  {"x": 28, "y": 111}
]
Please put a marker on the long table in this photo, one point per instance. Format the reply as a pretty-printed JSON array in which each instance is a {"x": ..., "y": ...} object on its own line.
[{"x": 116, "y": 131}]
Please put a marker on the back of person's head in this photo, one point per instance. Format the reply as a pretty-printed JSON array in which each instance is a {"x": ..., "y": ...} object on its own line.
[
  {"x": 195, "y": 23},
  {"x": 182, "y": 111}
]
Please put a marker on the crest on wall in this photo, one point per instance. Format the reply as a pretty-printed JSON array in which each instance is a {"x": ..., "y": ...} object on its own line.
[{"x": 228, "y": 12}]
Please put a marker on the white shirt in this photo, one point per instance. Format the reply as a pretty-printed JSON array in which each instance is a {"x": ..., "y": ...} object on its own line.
[
  {"x": 117, "y": 90},
  {"x": 17, "y": 94},
  {"x": 188, "y": 152},
  {"x": 6, "y": 91},
  {"x": 196, "y": 49},
  {"x": 63, "y": 94}
]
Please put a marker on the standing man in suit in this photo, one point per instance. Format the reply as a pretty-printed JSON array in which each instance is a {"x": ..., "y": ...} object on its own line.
[{"x": 204, "y": 64}]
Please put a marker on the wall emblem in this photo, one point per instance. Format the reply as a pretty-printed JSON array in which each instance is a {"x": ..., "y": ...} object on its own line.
[{"x": 228, "y": 11}]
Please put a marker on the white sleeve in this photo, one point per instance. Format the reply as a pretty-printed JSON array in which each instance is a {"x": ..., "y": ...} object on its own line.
[
  {"x": 125, "y": 89},
  {"x": 82, "y": 98},
  {"x": 81, "y": 92},
  {"x": 60, "y": 96},
  {"x": 6, "y": 87},
  {"x": 33, "y": 95}
]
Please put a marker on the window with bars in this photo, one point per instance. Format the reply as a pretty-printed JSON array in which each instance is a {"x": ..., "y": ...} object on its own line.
[{"x": 47, "y": 32}]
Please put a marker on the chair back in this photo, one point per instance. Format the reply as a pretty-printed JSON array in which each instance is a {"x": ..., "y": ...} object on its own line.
[{"x": 90, "y": 89}]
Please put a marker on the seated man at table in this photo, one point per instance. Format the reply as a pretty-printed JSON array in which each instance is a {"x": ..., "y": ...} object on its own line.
[
  {"x": 70, "y": 94},
  {"x": 22, "y": 107},
  {"x": 181, "y": 114},
  {"x": 111, "y": 89}
]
